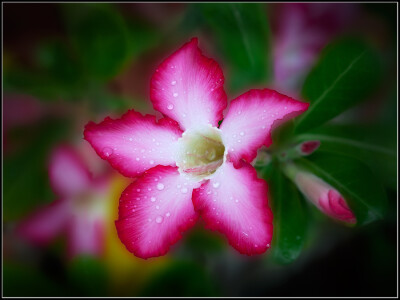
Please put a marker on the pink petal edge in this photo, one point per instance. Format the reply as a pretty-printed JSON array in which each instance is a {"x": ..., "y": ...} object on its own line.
[
  {"x": 188, "y": 87},
  {"x": 251, "y": 119},
  {"x": 155, "y": 210},
  {"x": 134, "y": 143}
]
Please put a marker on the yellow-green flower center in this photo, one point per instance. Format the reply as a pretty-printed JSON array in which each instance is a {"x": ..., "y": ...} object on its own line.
[{"x": 201, "y": 151}]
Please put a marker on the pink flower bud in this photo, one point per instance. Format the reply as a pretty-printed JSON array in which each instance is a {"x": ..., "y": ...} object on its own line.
[
  {"x": 324, "y": 196},
  {"x": 309, "y": 147}
]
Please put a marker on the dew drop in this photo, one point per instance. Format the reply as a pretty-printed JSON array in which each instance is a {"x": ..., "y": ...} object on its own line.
[
  {"x": 107, "y": 152},
  {"x": 152, "y": 162},
  {"x": 175, "y": 95},
  {"x": 153, "y": 199},
  {"x": 237, "y": 201},
  {"x": 216, "y": 185},
  {"x": 157, "y": 207},
  {"x": 138, "y": 190},
  {"x": 130, "y": 139},
  {"x": 149, "y": 220},
  {"x": 159, "y": 219},
  {"x": 167, "y": 214},
  {"x": 184, "y": 190},
  {"x": 170, "y": 107},
  {"x": 160, "y": 186},
  {"x": 242, "y": 133},
  {"x": 137, "y": 158}
]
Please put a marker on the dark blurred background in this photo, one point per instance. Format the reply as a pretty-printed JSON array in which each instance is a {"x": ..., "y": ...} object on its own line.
[{"x": 66, "y": 64}]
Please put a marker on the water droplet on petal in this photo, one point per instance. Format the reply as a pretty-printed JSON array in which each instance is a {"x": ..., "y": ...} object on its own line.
[
  {"x": 138, "y": 190},
  {"x": 175, "y": 95},
  {"x": 216, "y": 185},
  {"x": 160, "y": 186},
  {"x": 173, "y": 82},
  {"x": 170, "y": 107},
  {"x": 152, "y": 162},
  {"x": 242, "y": 133},
  {"x": 107, "y": 152},
  {"x": 153, "y": 199},
  {"x": 157, "y": 207},
  {"x": 184, "y": 190},
  {"x": 159, "y": 219},
  {"x": 167, "y": 214}
]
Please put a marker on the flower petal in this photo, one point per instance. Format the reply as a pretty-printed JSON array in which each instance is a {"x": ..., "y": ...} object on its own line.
[
  {"x": 68, "y": 173},
  {"x": 134, "y": 143},
  {"x": 188, "y": 87},
  {"x": 43, "y": 225},
  {"x": 251, "y": 118},
  {"x": 85, "y": 235},
  {"x": 154, "y": 211},
  {"x": 235, "y": 203}
]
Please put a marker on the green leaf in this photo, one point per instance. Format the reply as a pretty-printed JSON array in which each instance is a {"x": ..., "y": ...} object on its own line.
[
  {"x": 354, "y": 180},
  {"x": 24, "y": 281},
  {"x": 88, "y": 275},
  {"x": 290, "y": 220},
  {"x": 364, "y": 143},
  {"x": 100, "y": 37},
  {"x": 180, "y": 279},
  {"x": 346, "y": 73},
  {"x": 242, "y": 33}
]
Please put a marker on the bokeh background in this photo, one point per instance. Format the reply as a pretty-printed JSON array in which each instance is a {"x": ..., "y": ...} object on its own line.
[{"x": 67, "y": 64}]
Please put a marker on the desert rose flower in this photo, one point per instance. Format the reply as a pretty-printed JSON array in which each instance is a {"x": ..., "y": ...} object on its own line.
[
  {"x": 79, "y": 211},
  {"x": 325, "y": 197},
  {"x": 186, "y": 166}
]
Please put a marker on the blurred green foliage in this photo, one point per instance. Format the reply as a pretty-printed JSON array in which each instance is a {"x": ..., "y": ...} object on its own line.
[
  {"x": 290, "y": 218},
  {"x": 26, "y": 181},
  {"x": 88, "y": 276},
  {"x": 241, "y": 31},
  {"x": 181, "y": 279},
  {"x": 347, "y": 73}
]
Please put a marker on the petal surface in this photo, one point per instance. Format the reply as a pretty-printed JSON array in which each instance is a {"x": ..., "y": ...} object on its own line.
[
  {"x": 235, "y": 203},
  {"x": 85, "y": 235},
  {"x": 155, "y": 210},
  {"x": 134, "y": 143},
  {"x": 336, "y": 207},
  {"x": 68, "y": 173},
  {"x": 46, "y": 223},
  {"x": 251, "y": 118},
  {"x": 188, "y": 87}
]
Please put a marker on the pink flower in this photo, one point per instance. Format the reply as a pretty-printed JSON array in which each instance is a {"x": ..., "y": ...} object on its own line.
[
  {"x": 325, "y": 197},
  {"x": 185, "y": 165},
  {"x": 79, "y": 212}
]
